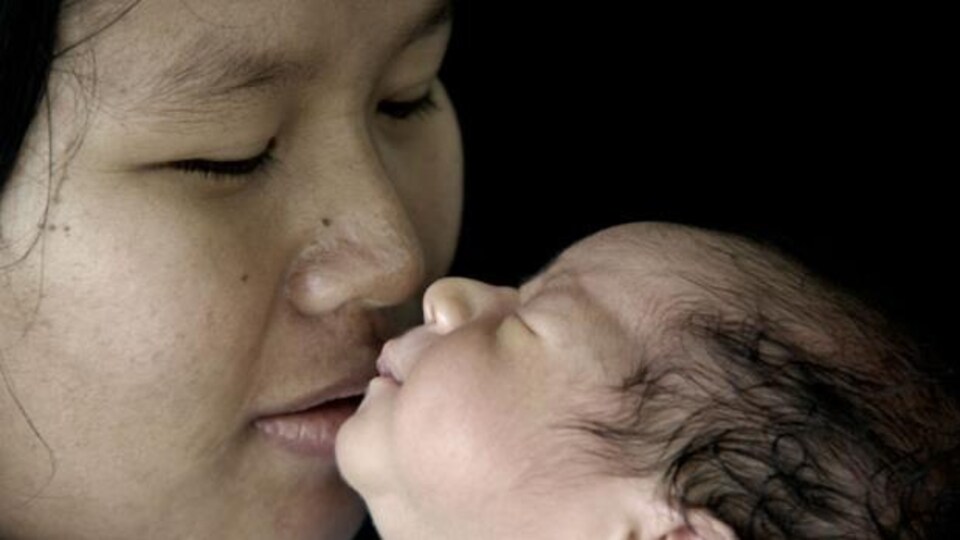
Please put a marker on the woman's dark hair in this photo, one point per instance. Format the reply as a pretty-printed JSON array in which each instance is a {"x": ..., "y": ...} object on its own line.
[{"x": 28, "y": 30}]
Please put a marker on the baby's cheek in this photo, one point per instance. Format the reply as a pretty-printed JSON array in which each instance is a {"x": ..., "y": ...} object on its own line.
[{"x": 449, "y": 450}]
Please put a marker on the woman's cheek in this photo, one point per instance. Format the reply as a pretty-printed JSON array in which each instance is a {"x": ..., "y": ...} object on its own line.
[
  {"x": 426, "y": 165},
  {"x": 124, "y": 294}
]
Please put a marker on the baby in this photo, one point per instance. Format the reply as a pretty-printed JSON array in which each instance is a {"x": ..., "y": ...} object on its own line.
[{"x": 654, "y": 382}]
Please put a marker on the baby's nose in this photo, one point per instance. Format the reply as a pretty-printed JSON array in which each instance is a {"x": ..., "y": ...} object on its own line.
[{"x": 451, "y": 302}]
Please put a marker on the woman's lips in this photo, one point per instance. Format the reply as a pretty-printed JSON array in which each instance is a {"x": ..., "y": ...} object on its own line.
[
  {"x": 312, "y": 432},
  {"x": 309, "y": 426}
]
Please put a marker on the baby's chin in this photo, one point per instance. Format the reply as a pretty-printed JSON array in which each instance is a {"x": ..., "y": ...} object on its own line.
[{"x": 354, "y": 459}]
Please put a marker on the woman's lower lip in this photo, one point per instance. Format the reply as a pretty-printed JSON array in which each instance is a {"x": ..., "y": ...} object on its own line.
[{"x": 311, "y": 433}]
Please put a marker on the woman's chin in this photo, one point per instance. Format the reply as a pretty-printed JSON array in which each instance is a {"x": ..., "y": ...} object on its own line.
[{"x": 331, "y": 519}]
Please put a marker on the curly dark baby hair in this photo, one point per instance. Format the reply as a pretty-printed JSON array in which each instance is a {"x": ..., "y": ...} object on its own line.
[{"x": 786, "y": 408}]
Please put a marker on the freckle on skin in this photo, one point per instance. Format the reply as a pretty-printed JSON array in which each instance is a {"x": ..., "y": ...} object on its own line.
[
  {"x": 245, "y": 277},
  {"x": 51, "y": 227},
  {"x": 327, "y": 222}
]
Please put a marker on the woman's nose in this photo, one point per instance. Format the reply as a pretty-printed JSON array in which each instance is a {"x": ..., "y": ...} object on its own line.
[
  {"x": 366, "y": 250},
  {"x": 452, "y": 302},
  {"x": 373, "y": 263}
]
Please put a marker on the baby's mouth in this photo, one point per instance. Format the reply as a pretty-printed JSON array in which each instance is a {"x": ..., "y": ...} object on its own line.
[
  {"x": 399, "y": 356},
  {"x": 384, "y": 369}
]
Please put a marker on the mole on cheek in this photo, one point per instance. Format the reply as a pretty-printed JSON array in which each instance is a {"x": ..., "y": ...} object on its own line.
[{"x": 327, "y": 222}]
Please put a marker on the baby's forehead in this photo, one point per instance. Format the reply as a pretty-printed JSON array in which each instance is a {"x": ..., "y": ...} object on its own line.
[
  {"x": 647, "y": 260},
  {"x": 646, "y": 273},
  {"x": 655, "y": 246},
  {"x": 666, "y": 282}
]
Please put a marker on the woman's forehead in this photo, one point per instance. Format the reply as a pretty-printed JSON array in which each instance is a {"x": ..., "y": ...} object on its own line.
[
  {"x": 83, "y": 19},
  {"x": 180, "y": 51}
]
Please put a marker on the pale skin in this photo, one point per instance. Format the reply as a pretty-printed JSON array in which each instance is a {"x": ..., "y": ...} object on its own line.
[
  {"x": 461, "y": 435},
  {"x": 161, "y": 311}
]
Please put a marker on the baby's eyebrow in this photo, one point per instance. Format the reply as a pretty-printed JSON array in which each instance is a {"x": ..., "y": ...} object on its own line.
[
  {"x": 543, "y": 270},
  {"x": 205, "y": 74}
]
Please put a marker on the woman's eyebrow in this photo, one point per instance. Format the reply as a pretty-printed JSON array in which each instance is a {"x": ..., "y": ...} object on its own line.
[
  {"x": 437, "y": 15},
  {"x": 207, "y": 73}
]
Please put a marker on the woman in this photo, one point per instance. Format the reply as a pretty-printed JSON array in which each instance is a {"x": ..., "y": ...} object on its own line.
[{"x": 219, "y": 210}]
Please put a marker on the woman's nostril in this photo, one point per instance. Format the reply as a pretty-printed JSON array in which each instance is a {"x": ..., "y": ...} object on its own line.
[{"x": 373, "y": 266}]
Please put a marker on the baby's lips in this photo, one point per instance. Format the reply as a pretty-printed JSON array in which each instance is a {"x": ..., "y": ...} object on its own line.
[
  {"x": 399, "y": 355},
  {"x": 383, "y": 366}
]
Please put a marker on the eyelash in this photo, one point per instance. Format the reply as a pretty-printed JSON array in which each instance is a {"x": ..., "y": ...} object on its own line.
[
  {"x": 227, "y": 170},
  {"x": 231, "y": 170},
  {"x": 401, "y": 110},
  {"x": 522, "y": 321}
]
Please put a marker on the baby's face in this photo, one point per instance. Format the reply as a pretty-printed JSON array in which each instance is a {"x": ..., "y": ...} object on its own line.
[{"x": 467, "y": 433}]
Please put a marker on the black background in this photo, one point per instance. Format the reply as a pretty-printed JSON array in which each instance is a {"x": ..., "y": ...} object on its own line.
[{"x": 821, "y": 130}]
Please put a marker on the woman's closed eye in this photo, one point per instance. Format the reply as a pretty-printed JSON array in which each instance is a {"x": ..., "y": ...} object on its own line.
[
  {"x": 241, "y": 168},
  {"x": 228, "y": 170},
  {"x": 402, "y": 110}
]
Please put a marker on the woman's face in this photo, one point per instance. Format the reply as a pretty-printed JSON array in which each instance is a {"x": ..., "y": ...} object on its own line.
[{"x": 238, "y": 209}]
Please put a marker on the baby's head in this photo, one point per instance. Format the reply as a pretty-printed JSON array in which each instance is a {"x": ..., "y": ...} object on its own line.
[{"x": 655, "y": 381}]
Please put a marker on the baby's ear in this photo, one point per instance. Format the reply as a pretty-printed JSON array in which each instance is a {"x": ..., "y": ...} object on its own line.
[
  {"x": 700, "y": 525},
  {"x": 650, "y": 516}
]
